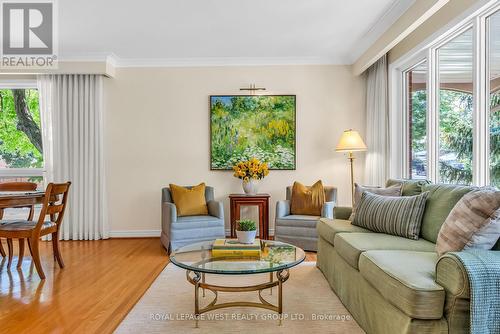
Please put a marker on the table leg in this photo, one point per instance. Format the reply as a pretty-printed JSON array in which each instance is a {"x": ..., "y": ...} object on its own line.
[
  {"x": 270, "y": 280},
  {"x": 196, "y": 279},
  {"x": 280, "y": 301},
  {"x": 203, "y": 281},
  {"x": 282, "y": 276}
]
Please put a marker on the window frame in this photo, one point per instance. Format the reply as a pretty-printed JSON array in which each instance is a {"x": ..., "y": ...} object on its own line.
[
  {"x": 406, "y": 116},
  {"x": 20, "y": 172},
  {"x": 475, "y": 19}
]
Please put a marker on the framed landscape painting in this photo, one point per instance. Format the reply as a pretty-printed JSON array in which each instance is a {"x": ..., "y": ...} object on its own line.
[{"x": 252, "y": 126}]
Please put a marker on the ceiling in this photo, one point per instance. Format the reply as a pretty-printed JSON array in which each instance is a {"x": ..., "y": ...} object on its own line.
[{"x": 258, "y": 31}]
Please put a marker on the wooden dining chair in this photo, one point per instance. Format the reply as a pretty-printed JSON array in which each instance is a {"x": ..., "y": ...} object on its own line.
[
  {"x": 54, "y": 205},
  {"x": 16, "y": 186}
]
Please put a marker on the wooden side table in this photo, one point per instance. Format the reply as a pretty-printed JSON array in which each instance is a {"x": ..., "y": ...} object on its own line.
[{"x": 236, "y": 201}]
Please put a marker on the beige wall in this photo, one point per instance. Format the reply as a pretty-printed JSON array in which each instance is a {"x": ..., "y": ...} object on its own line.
[
  {"x": 157, "y": 132},
  {"x": 441, "y": 18}
]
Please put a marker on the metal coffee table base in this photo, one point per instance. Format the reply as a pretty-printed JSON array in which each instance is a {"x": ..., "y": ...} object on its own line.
[{"x": 198, "y": 280}]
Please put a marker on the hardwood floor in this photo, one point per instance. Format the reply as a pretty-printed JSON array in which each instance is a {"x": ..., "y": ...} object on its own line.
[
  {"x": 101, "y": 282},
  {"x": 310, "y": 256}
]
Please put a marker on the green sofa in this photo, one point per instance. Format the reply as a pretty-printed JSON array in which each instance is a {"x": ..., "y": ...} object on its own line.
[{"x": 395, "y": 285}]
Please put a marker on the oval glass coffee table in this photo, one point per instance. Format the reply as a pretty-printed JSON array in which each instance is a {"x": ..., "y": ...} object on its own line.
[{"x": 276, "y": 257}]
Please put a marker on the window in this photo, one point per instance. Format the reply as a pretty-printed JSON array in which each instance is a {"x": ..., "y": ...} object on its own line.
[
  {"x": 449, "y": 92},
  {"x": 416, "y": 104},
  {"x": 455, "y": 109},
  {"x": 493, "y": 54},
  {"x": 21, "y": 151}
]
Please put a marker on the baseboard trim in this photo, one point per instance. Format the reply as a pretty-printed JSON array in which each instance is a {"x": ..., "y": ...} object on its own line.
[{"x": 134, "y": 233}]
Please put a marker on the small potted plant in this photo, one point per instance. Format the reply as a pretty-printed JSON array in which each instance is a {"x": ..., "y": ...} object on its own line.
[{"x": 245, "y": 231}]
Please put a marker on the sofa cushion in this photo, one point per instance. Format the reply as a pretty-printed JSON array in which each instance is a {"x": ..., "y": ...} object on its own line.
[
  {"x": 299, "y": 231},
  {"x": 342, "y": 212},
  {"x": 351, "y": 245},
  {"x": 442, "y": 198},
  {"x": 407, "y": 280},
  {"x": 189, "y": 222},
  {"x": 298, "y": 221},
  {"x": 203, "y": 227},
  {"x": 410, "y": 187},
  {"x": 328, "y": 228}
]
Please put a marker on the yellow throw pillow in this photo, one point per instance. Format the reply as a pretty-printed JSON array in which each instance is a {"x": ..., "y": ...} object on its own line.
[
  {"x": 307, "y": 200},
  {"x": 189, "y": 202}
]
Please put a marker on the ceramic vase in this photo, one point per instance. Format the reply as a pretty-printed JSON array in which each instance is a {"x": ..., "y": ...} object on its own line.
[{"x": 251, "y": 186}]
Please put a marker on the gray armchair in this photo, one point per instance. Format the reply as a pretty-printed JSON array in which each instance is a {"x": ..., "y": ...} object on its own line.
[
  {"x": 300, "y": 230},
  {"x": 180, "y": 231}
]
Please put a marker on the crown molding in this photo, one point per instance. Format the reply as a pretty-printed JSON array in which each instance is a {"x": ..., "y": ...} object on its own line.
[
  {"x": 116, "y": 62},
  {"x": 411, "y": 19},
  {"x": 436, "y": 38},
  {"x": 226, "y": 61},
  {"x": 395, "y": 10},
  {"x": 107, "y": 64}
]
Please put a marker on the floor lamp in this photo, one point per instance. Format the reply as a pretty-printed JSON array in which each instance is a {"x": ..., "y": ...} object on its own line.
[{"x": 351, "y": 142}]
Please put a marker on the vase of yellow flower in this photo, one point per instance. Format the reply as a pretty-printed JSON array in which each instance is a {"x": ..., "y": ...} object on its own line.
[
  {"x": 250, "y": 172},
  {"x": 250, "y": 187}
]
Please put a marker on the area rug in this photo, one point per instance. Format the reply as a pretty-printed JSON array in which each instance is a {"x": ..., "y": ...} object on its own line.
[{"x": 309, "y": 306}]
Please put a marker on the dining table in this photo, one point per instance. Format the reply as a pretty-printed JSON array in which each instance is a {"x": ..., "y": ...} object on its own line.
[{"x": 16, "y": 199}]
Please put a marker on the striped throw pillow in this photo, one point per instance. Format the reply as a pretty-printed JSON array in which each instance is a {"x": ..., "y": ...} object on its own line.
[
  {"x": 393, "y": 190},
  {"x": 401, "y": 216}
]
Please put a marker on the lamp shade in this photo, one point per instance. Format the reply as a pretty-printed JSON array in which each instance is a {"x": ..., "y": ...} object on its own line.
[{"x": 350, "y": 141}]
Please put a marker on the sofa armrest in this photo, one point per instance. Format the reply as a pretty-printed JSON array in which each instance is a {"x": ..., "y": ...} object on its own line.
[
  {"x": 327, "y": 210},
  {"x": 282, "y": 209},
  {"x": 452, "y": 276},
  {"x": 215, "y": 209},
  {"x": 168, "y": 216},
  {"x": 342, "y": 212}
]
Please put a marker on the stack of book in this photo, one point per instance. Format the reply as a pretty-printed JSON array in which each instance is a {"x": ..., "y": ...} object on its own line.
[{"x": 232, "y": 248}]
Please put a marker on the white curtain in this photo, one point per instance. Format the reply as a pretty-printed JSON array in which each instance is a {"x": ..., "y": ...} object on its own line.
[
  {"x": 71, "y": 108},
  {"x": 377, "y": 124}
]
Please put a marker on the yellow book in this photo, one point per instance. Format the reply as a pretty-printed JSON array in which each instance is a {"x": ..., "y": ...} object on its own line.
[
  {"x": 234, "y": 244},
  {"x": 236, "y": 252}
]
